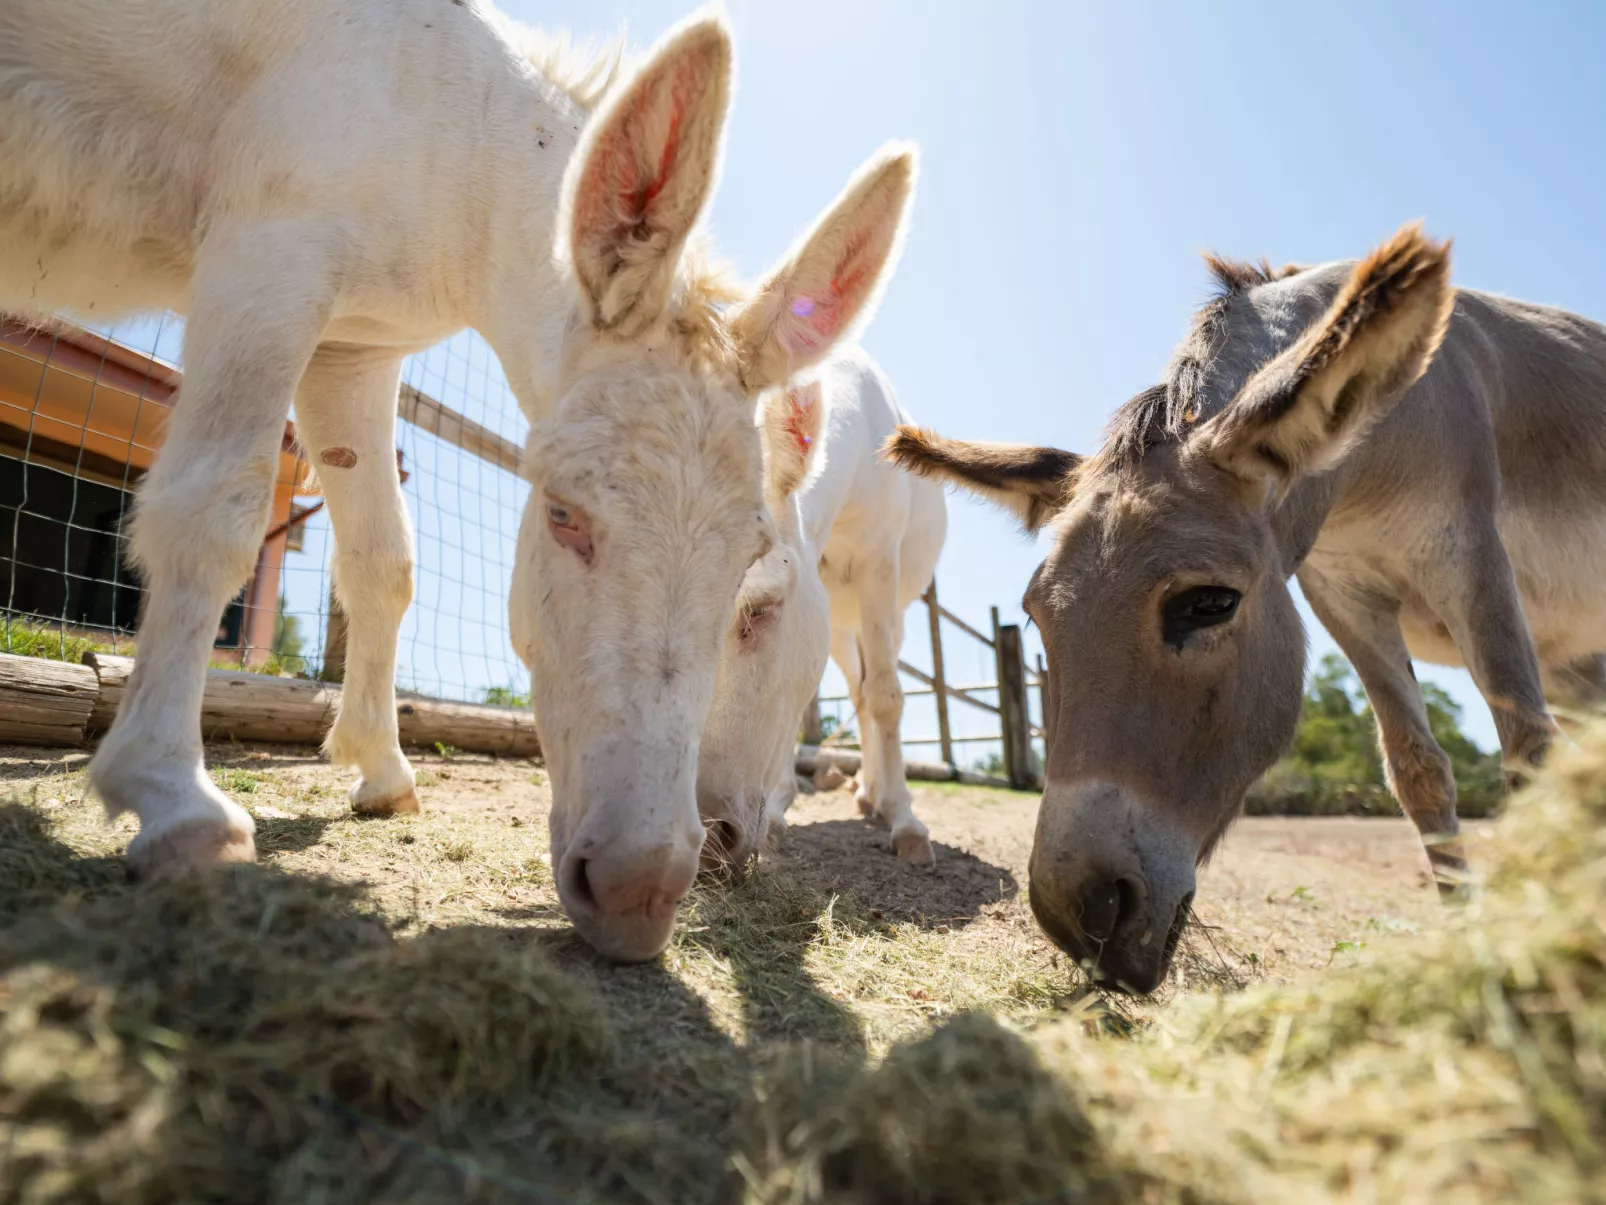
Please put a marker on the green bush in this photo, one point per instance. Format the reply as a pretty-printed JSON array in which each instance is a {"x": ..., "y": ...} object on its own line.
[{"x": 1335, "y": 768}]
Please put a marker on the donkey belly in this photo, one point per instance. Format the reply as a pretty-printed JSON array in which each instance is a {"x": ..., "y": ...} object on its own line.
[{"x": 1560, "y": 564}]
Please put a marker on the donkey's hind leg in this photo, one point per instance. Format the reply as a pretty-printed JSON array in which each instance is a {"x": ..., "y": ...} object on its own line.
[
  {"x": 1577, "y": 690},
  {"x": 845, "y": 652},
  {"x": 880, "y": 638},
  {"x": 199, "y": 519},
  {"x": 346, "y": 417}
]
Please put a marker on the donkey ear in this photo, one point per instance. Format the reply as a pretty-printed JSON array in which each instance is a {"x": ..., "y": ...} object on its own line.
[
  {"x": 830, "y": 282},
  {"x": 1033, "y": 484},
  {"x": 644, "y": 169},
  {"x": 1302, "y": 411},
  {"x": 791, "y": 421}
]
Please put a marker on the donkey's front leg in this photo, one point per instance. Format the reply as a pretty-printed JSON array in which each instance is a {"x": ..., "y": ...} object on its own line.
[
  {"x": 880, "y": 639},
  {"x": 346, "y": 413},
  {"x": 199, "y": 519},
  {"x": 1418, "y": 770}
]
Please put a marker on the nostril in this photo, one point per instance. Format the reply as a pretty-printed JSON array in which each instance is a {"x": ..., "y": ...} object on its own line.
[
  {"x": 580, "y": 885},
  {"x": 1100, "y": 910},
  {"x": 1178, "y": 923},
  {"x": 1131, "y": 901},
  {"x": 719, "y": 844}
]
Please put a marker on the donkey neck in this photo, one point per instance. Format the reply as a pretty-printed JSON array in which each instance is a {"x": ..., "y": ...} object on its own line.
[
  {"x": 1298, "y": 520},
  {"x": 523, "y": 299}
]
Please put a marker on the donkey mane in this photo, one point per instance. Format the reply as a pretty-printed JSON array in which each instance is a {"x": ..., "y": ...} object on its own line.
[
  {"x": 581, "y": 71},
  {"x": 1163, "y": 413},
  {"x": 1236, "y": 275},
  {"x": 706, "y": 292}
]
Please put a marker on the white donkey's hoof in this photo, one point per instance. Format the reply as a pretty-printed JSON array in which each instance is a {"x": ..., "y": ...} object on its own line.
[
  {"x": 913, "y": 846},
  {"x": 191, "y": 845},
  {"x": 367, "y": 800},
  {"x": 773, "y": 833},
  {"x": 869, "y": 810}
]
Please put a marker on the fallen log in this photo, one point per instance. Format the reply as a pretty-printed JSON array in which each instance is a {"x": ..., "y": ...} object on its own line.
[
  {"x": 44, "y": 702},
  {"x": 812, "y": 757},
  {"x": 297, "y": 711}
]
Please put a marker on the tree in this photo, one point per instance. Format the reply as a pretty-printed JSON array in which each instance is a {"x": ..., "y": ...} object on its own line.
[{"x": 1334, "y": 765}]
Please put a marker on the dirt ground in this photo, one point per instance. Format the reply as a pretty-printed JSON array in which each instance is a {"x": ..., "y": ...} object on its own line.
[{"x": 1281, "y": 898}]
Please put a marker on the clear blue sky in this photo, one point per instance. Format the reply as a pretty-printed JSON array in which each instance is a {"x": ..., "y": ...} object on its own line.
[{"x": 1077, "y": 157}]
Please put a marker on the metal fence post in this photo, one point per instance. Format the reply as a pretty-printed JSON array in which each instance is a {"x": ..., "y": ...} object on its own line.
[{"x": 939, "y": 680}]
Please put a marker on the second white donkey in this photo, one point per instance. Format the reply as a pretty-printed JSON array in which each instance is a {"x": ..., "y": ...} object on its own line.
[{"x": 874, "y": 533}]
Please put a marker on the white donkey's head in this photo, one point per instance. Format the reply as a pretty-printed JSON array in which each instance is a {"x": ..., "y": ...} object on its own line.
[
  {"x": 648, "y": 504},
  {"x": 775, "y": 649}
]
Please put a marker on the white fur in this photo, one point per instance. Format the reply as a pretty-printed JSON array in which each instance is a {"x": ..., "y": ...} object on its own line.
[
  {"x": 324, "y": 186},
  {"x": 875, "y": 533}
]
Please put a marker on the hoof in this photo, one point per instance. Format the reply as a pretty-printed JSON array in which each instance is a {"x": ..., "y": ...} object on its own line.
[
  {"x": 405, "y": 803},
  {"x": 775, "y": 826},
  {"x": 829, "y": 778},
  {"x": 870, "y": 812},
  {"x": 194, "y": 845},
  {"x": 914, "y": 848}
]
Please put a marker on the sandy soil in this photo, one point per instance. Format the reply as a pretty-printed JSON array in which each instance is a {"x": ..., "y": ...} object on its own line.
[{"x": 1282, "y": 897}]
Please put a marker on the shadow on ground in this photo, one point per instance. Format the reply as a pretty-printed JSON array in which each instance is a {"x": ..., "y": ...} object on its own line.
[
  {"x": 253, "y": 1035},
  {"x": 854, "y": 859}
]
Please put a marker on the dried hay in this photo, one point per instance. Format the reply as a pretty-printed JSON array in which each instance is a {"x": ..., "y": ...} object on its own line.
[
  {"x": 259, "y": 1036},
  {"x": 1469, "y": 1065}
]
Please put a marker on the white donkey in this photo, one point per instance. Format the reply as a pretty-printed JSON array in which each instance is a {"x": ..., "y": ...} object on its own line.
[
  {"x": 324, "y": 186},
  {"x": 875, "y": 533}
]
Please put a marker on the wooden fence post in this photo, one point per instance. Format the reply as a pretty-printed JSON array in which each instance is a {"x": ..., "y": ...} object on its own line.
[
  {"x": 1045, "y": 698},
  {"x": 811, "y": 722},
  {"x": 1012, "y": 705},
  {"x": 939, "y": 680},
  {"x": 334, "y": 642}
]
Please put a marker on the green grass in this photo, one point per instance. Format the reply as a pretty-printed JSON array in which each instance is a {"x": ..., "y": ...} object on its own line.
[{"x": 27, "y": 638}]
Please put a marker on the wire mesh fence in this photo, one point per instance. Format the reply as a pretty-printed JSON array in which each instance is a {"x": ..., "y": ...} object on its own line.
[
  {"x": 83, "y": 412},
  {"x": 959, "y": 707}
]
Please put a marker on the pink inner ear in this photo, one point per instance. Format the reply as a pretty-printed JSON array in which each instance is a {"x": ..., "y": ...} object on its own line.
[
  {"x": 800, "y": 424},
  {"x": 817, "y": 317},
  {"x": 616, "y": 195}
]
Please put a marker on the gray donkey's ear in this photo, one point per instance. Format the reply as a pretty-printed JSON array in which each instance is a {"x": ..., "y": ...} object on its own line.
[
  {"x": 1303, "y": 410},
  {"x": 1031, "y": 483}
]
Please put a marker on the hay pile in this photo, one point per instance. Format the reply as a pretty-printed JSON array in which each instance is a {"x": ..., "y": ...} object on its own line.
[
  {"x": 259, "y": 1036},
  {"x": 1465, "y": 1066}
]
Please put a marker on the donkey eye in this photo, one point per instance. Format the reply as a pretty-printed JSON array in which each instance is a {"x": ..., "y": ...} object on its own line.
[
  {"x": 754, "y": 618},
  {"x": 1199, "y": 607}
]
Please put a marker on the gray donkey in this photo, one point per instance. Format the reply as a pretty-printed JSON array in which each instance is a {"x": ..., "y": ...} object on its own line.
[{"x": 1429, "y": 461}]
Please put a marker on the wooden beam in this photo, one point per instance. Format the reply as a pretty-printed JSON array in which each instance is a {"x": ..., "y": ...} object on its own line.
[
  {"x": 295, "y": 711},
  {"x": 963, "y": 626},
  {"x": 447, "y": 425},
  {"x": 810, "y": 758},
  {"x": 939, "y": 680},
  {"x": 957, "y": 692},
  {"x": 44, "y": 702},
  {"x": 1012, "y": 697}
]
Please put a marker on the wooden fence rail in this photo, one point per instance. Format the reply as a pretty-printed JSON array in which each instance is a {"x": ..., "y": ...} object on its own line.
[
  {"x": 1013, "y": 681},
  {"x": 53, "y": 703}
]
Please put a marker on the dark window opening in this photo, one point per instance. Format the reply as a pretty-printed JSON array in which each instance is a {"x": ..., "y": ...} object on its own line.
[{"x": 63, "y": 556}]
